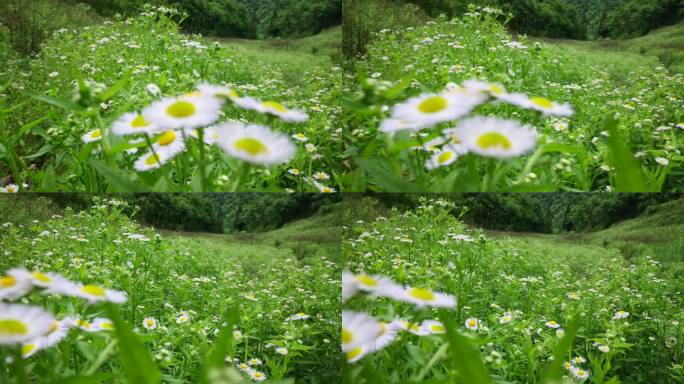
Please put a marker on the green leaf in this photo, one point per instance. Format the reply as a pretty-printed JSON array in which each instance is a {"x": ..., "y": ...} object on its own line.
[
  {"x": 95, "y": 378},
  {"x": 563, "y": 148},
  {"x": 223, "y": 345},
  {"x": 64, "y": 104},
  {"x": 119, "y": 181},
  {"x": 137, "y": 363},
  {"x": 628, "y": 175},
  {"x": 554, "y": 370},
  {"x": 25, "y": 128},
  {"x": 385, "y": 178},
  {"x": 115, "y": 88},
  {"x": 465, "y": 357},
  {"x": 43, "y": 150}
]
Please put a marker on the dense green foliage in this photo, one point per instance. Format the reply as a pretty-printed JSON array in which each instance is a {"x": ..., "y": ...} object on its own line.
[
  {"x": 573, "y": 18},
  {"x": 187, "y": 285},
  {"x": 543, "y": 212},
  {"x": 242, "y": 18},
  {"x": 539, "y": 304}
]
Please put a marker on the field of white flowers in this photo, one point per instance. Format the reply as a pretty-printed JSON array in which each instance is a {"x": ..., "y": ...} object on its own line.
[
  {"x": 462, "y": 105},
  {"x": 429, "y": 299},
  {"x": 134, "y": 105},
  {"x": 91, "y": 297}
]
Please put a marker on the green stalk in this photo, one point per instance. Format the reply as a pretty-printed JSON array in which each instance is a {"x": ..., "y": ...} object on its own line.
[
  {"x": 203, "y": 169},
  {"x": 104, "y": 355},
  {"x": 242, "y": 173}
]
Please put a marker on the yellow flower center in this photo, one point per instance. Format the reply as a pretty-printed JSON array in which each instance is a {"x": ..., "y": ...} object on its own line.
[
  {"x": 7, "y": 281},
  {"x": 437, "y": 328},
  {"x": 272, "y": 104},
  {"x": 107, "y": 325},
  {"x": 445, "y": 157},
  {"x": 472, "y": 323},
  {"x": 495, "y": 89},
  {"x": 433, "y": 104},
  {"x": 96, "y": 134},
  {"x": 542, "y": 102},
  {"x": 152, "y": 159},
  {"x": 181, "y": 109},
  {"x": 422, "y": 294},
  {"x": 41, "y": 277},
  {"x": 193, "y": 94},
  {"x": 347, "y": 336},
  {"x": 93, "y": 290},
  {"x": 139, "y": 122},
  {"x": 414, "y": 327},
  {"x": 53, "y": 326},
  {"x": 258, "y": 374},
  {"x": 351, "y": 355},
  {"x": 251, "y": 146},
  {"x": 167, "y": 138},
  {"x": 367, "y": 280},
  {"x": 10, "y": 327},
  {"x": 150, "y": 322},
  {"x": 493, "y": 139},
  {"x": 27, "y": 348}
]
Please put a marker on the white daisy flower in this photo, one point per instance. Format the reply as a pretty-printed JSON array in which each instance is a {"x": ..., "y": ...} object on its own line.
[
  {"x": 182, "y": 318},
  {"x": 220, "y": 92},
  {"x": 320, "y": 175},
  {"x": 358, "y": 331},
  {"x": 552, "y": 324},
  {"x": 298, "y": 316},
  {"x": 492, "y": 137},
  {"x": 541, "y": 104},
  {"x": 102, "y": 324},
  {"x": 579, "y": 373},
  {"x": 433, "y": 327},
  {"x": 662, "y": 161},
  {"x": 10, "y": 188},
  {"x": 30, "y": 348},
  {"x": 21, "y": 323},
  {"x": 150, "y": 323},
  {"x": 446, "y": 156},
  {"x": 472, "y": 323},
  {"x": 578, "y": 360},
  {"x": 272, "y": 108},
  {"x": 377, "y": 285},
  {"x": 257, "y": 375},
  {"x": 492, "y": 89},
  {"x": 59, "y": 330},
  {"x": 281, "y": 351},
  {"x": 422, "y": 297},
  {"x": 254, "y": 361},
  {"x": 38, "y": 279},
  {"x": 349, "y": 286},
  {"x": 620, "y": 315},
  {"x": 604, "y": 348},
  {"x": 506, "y": 318},
  {"x": 300, "y": 137},
  {"x": 14, "y": 287},
  {"x": 92, "y": 136},
  {"x": 165, "y": 147},
  {"x": 255, "y": 144},
  {"x": 388, "y": 333},
  {"x": 93, "y": 293},
  {"x": 187, "y": 112},
  {"x": 133, "y": 123},
  {"x": 429, "y": 110}
]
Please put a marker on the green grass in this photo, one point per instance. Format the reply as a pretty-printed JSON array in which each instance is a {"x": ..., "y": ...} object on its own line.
[
  {"x": 577, "y": 281},
  {"x": 213, "y": 277},
  {"x": 664, "y": 45}
]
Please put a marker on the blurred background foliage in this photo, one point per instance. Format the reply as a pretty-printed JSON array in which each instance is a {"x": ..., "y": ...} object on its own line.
[
  {"x": 568, "y": 19},
  {"x": 29, "y": 22}
]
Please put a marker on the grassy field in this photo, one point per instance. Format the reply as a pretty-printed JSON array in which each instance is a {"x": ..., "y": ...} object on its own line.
[
  {"x": 60, "y": 109},
  {"x": 192, "y": 287},
  {"x": 528, "y": 308},
  {"x": 664, "y": 45},
  {"x": 610, "y": 119}
]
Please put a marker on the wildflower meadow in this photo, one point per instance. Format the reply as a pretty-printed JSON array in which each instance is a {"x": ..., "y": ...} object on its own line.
[
  {"x": 91, "y": 296},
  {"x": 460, "y": 104},
  {"x": 428, "y": 298},
  {"x": 132, "y": 104}
]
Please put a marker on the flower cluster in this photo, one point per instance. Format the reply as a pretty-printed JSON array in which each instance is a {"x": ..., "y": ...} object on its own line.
[
  {"x": 33, "y": 327},
  {"x": 484, "y": 136},
  {"x": 363, "y": 334}
]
